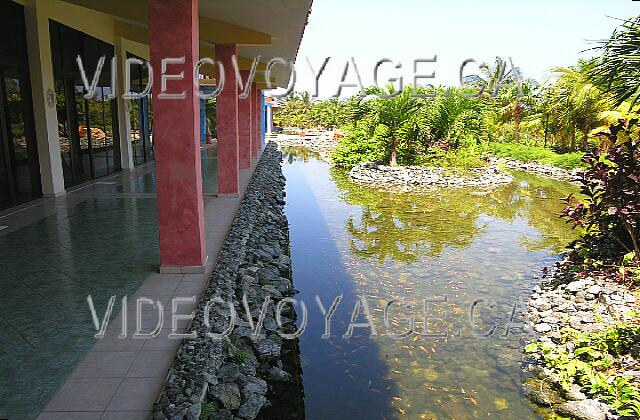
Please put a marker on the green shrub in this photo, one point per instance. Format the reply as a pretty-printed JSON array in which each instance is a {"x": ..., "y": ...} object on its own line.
[
  {"x": 465, "y": 157},
  {"x": 359, "y": 146},
  {"x": 527, "y": 153}
]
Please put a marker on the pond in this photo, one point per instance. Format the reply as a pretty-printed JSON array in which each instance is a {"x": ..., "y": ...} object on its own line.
[{"x": 461, "y": 263}]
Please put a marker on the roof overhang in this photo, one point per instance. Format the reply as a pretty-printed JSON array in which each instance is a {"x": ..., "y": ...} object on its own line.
[{"x": 267, "y": 28}]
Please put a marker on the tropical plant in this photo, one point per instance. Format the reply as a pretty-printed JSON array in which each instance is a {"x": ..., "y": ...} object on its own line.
[
  {"x": 618, "y": 70},
  {"x": 454, "y": 118},
  {"x": 594, "y": 364},
  {"x": 610, "y": 213},
  {"x": 581, "y": 103},
  {"x": 397, "y": 119}
]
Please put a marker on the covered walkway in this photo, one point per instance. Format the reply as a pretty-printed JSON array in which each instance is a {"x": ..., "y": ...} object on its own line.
[
  {"x": 106, "y": 196},
  {"x": 100, "y": 240}
]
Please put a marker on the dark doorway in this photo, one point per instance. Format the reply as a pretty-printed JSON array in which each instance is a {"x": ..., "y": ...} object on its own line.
[{"x": 19, "y": 168}]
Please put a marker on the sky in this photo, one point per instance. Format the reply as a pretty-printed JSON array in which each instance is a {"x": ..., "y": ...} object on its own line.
[{"x": 536, "y": 35}]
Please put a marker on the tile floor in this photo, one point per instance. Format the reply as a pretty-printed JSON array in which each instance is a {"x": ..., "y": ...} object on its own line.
[{"x": 99, "y": 240}]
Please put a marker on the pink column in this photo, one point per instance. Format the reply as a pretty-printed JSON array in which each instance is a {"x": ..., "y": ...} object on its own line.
[
  {"x": 255, "y": 150},
  {"x": 176, "y": 135},
  {"x": 227, "y": 128},
  {"x": 256, "y": 120},
  {"x": 245, "y": 128}
]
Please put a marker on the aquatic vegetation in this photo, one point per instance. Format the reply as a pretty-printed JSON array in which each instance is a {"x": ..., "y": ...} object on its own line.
[{"x": 596, "y": 362}]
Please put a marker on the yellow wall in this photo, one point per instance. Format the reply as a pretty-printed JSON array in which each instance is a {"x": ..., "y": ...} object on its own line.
[{"x": 134, "y": 39}]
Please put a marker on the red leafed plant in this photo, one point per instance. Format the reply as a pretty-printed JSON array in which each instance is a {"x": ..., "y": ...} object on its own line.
[{"x": 610, "y": 211}]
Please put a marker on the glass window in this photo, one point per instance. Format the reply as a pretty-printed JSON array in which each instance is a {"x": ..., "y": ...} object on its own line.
[
  {"x": 89, "y": 144},
  {"x": 140, "y": 115}
]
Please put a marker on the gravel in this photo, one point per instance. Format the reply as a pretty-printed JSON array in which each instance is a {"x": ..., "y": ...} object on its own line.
[{"x": 233, "y": 377}]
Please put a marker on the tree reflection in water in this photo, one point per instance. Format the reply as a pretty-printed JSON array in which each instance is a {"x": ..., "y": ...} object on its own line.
[{"x": 407, "y": 226}]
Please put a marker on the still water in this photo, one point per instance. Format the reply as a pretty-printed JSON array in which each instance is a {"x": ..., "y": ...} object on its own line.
[{"x": 460, "y": 262}]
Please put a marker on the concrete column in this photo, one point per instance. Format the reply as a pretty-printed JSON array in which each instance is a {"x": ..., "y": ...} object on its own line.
[
  {"x": 227, "y": 125},
  {"x": 269, "y": 119},
  {"x": 174, "y": 32},
  {"x": 245, "y": 131},
  {"x": 124, "y": 122},
  {"x": 44, "y": 98}
]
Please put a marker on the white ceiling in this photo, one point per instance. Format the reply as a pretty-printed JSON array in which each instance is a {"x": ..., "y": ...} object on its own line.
[{"x": 284, "y": 20}]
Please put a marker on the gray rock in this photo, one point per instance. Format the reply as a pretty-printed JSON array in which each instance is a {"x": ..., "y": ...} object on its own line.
[
  {"x": 269, "y": 348},
  {"x": 227, "y": 394},
  {"x": 542, "y": 328},
  {"x": 540, "y": 392},
  {"x": 541, "y": 304},
  {"x": 576, "y": 286},
  {"x": 594, "y": 290},
  {"x": 545, "y": 314},
  {"x": 550, "y": 320},
  {"x": 583, "y": 410},
  {"x": 229, "y": 372},
  {"x": 193, "y": 412},
  {"x": 279, "y": 375},
  {"x": 574, "y": 393}
]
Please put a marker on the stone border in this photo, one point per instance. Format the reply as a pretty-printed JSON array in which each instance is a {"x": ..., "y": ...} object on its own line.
[
  {"x": 237, "y": 377},
  {"x": 407, "y": 178},
  {"x": 540, "y": 169},
  {"x": 587, "y": 302}
]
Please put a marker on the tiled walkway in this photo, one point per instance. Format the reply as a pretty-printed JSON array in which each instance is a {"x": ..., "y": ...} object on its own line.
[{"x": 100, "y": 240}]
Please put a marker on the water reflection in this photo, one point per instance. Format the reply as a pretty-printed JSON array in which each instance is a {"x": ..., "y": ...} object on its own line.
[
  {"x": 405, "y": 226},
  {"x": 470, "y": 255}
]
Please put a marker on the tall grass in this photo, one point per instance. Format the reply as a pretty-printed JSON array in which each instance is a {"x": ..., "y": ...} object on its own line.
[{"x": 527, "y": 153}]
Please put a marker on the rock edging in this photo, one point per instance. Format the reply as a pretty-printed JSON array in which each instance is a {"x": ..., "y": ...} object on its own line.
[
  {"x": 535, "y": 168},
  {"x": 407, "y": 178},
  {"x": 235, "y": 377},
  {"x": 584, "y": 302}
]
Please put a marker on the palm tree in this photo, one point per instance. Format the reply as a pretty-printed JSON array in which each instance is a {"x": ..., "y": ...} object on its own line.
[
  {"x": 453, "y": 117},
  {"x": 398, "y": 114},
  {"x": 618, "y": 70},
  {"x": 507, "y": 85},
  {"x": 584, "y": 102},
  {"x": 514, "y": 102}
]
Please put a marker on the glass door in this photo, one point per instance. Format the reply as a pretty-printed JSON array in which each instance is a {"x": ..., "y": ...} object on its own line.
[{"x": 19, "y": 168}]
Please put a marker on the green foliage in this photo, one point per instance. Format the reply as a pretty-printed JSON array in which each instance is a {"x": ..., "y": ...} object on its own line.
[
  {"x": 539, "y": 154},
  {"x": 496, "y": 106},
  {"x": 236, "y": 354},
  {"x": 610, "y": 210},
  {"x": 208, "y": 410},
  {"x": 453, "y": 117},
  {"x": 358, "y": 146},
  {"x": 301, "y": 111},
  {"x": 617, "y": 71},
  {"x": 595, "y": 364},
  {"x": 465, "y": 157}
]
